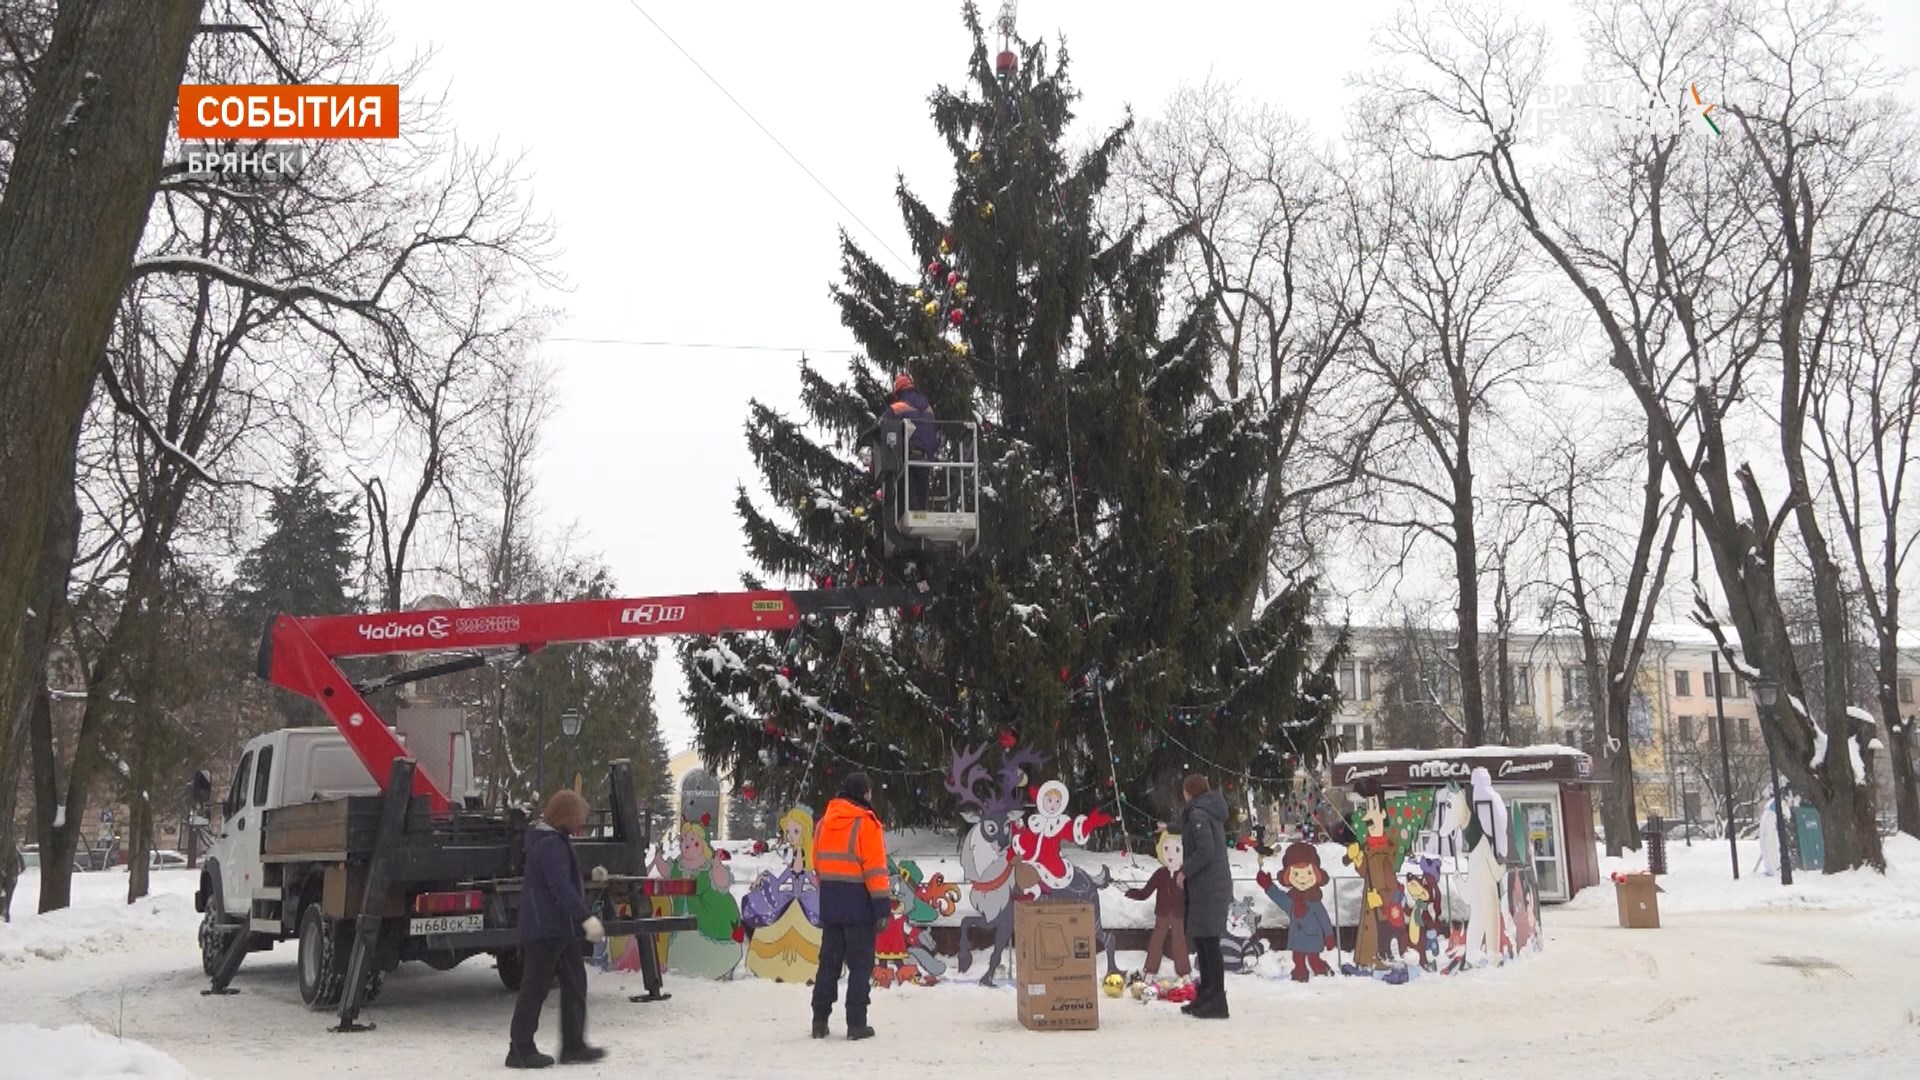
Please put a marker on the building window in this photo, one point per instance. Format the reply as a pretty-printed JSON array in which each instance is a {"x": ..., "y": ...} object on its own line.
[
  {"x": 1366, "y": 680},
  {"x": 1739, "y": 686},
  {"x": 1520, "y": 692},
  {"x": 1356, "y": 737},
  {"x": 1906, "y": 691},
  {"x": 1346, "y": 681},
  {"x": 1570, "y": 685},
  {"x": 1686, "y": 728},
  {"x": 1683, "y": 684},
  {"x": 1746, "y": 730},
  {"x": 1692, "y": 799},
  {"x": 1730, "y": 685}
]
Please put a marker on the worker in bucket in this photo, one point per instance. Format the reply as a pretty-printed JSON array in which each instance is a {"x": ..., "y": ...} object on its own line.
[{"x": 553, "y": 916}]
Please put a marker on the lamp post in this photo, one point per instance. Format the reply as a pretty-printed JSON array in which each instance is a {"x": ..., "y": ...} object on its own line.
[
  {"x": 1767, "y": 692},
  {"x": 570, "y": 727},
  {"x": 1726, "y": 767},
  {"x": 1686, "y": 805}
]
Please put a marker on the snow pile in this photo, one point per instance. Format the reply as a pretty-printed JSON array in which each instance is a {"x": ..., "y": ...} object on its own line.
[
  {"x": 1700, "y": 879},
  {"x": 79, "y": 1052},
  {"x": 100, "y": 919}
]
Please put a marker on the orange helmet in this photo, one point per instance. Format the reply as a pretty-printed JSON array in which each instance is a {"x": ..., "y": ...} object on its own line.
[{"x": 902, "y": 381}]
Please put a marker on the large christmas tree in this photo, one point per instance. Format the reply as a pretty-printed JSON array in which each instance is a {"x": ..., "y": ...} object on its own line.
[{"x": 1095, "y": 624}]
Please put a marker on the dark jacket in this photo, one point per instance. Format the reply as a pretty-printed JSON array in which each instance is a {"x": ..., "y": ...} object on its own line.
[
  {"x": 553, "y": 903},
  {"x": 911, "y": 404},
  {"x": 1203, "y": 842},
  {"x": 850, "y": 856}
]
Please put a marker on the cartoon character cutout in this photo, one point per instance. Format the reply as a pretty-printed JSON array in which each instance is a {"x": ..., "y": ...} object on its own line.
[
  {"x": 1420, "y": 881},
  {"x": 1309, "y": 929},
  {"x": 712, "y": 949},
  {"x": 783, "y": 910},
  {"x": 902, "y": 952},
  {"x": 1382, "y": 922},
  {"x": 1240, "y": 950},
  {"x": 1169, "y": 908},
  {"x": 1037, "y": 840}
]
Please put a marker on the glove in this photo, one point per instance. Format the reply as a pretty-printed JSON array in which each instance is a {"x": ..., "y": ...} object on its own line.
[
  {"x": 595, "y": 932},
  {"x": 1329, "y": 942},
  {"x": 1353, "y": 855},
  {"x": 1263, "y": 879},
  {"x": 1373, "y": 898},
  {"x": 1097, "y": 818},
  {"x": 599, "y": 875}
]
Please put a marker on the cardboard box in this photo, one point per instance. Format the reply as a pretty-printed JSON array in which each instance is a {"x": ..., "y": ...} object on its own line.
[
  {"x": 1056, "y": 966},
  {"x": 1639, "y": 899}
]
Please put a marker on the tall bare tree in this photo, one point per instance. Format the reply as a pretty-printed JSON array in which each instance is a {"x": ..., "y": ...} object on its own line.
[
  {"x": 1747, "y": 242},
  {"x": 1451, "y": 342}
]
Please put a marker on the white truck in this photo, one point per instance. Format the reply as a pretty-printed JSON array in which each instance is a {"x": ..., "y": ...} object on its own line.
[{"x": 300, "y": 828}]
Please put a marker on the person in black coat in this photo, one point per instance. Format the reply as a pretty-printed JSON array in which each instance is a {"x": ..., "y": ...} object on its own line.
[
  {"x": 553, "y": 913},
  {"x": 1209, "y": 883}
]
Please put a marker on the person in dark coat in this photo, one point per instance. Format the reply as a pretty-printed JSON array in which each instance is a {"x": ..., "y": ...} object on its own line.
[
  {"x": 553, "y": 914},
  {"x": 856, "y": 899},
  {"x": 909, "y": 403},
  {"x": 1209, "y": 883}
]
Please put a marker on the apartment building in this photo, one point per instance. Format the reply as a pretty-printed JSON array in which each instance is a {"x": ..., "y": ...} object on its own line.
[{"x": 1400, "y": 690}]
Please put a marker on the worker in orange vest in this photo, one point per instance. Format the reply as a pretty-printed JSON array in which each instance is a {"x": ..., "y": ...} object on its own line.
[{"x": 850, "y": 855}]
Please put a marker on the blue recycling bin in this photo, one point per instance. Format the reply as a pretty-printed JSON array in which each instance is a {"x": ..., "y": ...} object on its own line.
[{"x": 1810, "y": 844}]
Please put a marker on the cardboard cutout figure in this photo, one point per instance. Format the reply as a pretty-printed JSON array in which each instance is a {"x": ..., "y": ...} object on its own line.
[
  {"x": 783, "y": 910},
  {"x": 1381, "y": 919},
  {"x": 1037, "y": 840},
  {"x": 1488, "y": 841},
  {"x": 1309, "y": 930},
  {"x": 712, "y": 949},
  {"x": 1420, "y": 880},
  {"x": 1240, "y": 950},
  {"x": 1169, "y": 909},
  {"x": 903, "y": 953}
]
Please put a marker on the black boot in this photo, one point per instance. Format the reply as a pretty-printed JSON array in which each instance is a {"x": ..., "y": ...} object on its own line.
[
  {"x": 527, "y": 1059},
  {"x": 581, "y": 1055},
  {"x": 819, "y": 1027},
  {"x": 1215, "y": 1009},
  {"x": 856, "y": 1032}
]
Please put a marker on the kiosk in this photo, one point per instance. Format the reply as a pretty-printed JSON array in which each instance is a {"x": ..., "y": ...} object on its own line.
[{"x": 1548, "y": 790}]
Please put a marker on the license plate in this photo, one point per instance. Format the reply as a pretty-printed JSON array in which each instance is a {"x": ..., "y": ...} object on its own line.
[{"x": 447, "y": 924}]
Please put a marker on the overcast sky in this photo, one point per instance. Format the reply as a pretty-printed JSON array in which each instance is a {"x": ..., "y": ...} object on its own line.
[{"x": 682, "y": 222}]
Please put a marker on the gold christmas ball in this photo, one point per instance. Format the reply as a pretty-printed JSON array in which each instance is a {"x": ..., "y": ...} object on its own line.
[
  {"x": 946, "y": 248},
  {"x": 973, "y": 158},
  {"x": 986, "y": 212},
  {"x": 919, "y": 295},
  {"x": 932, "y": 308},
  {"x": 960, "y": 290},
  {"x": 960, "y": 348}
]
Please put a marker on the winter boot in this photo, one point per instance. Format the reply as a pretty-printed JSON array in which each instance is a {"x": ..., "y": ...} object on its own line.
[
  {"x": 581, "y": 1055},
  {"x": 819, "y": 1027},
  {"x": 856, "y": 1032},
  {"x": 527, "y": 1059}
]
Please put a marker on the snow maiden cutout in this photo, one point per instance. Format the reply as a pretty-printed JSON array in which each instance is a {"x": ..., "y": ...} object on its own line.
[
  {"x": 712, "y": 949},
  {"x": 1309, "y": 930},
  {"x": 1488, "y": 841},
  {"x": 1169, "y": 908},
  {"x": 1038, "y": 839},
  {"x": 783, "y": 910}
]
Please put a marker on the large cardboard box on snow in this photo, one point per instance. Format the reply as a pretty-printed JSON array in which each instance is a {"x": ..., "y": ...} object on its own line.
[
  {"x": 1639, "y": 898},
  {"x": 1056, "y": 966}
]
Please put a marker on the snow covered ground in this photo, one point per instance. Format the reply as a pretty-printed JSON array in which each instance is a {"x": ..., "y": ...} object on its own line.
[{"x": 1743, "y": 979}]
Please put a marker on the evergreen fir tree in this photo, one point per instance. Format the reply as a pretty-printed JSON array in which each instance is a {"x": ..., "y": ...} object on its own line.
[
  {"x": 1094, "y": 624},
  {"x": 303, "y": 565}
]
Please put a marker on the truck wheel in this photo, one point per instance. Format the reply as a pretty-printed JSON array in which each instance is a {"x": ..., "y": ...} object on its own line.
[
  {"x": 507, "y": 963},
  {"x": 323, "y": 959},
  {"x": 214, "y": 938}
]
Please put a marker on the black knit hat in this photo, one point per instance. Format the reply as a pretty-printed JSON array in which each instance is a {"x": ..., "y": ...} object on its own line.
[{"x": 856, "y": 786}]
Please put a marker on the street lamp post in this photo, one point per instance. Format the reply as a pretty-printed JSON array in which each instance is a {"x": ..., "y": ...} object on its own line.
[
  {"x": 1686, "y": 805},
  {"x": 570, "y": 727},
  {"x": 1767, "y": 692},
  {"x": 1726, "y": 768}
]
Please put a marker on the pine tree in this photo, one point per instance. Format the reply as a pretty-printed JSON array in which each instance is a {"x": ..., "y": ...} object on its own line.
[
  {"x": 1096, "y": 618},
  {"x": 303, "y": 565}
]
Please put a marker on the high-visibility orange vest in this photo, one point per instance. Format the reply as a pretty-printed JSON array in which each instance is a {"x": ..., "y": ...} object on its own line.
[{"x": 850, "y": 846}]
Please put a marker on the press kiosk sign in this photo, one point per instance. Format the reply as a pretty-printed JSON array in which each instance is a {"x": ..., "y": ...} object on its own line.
[{"x": 1055, "y": 964}]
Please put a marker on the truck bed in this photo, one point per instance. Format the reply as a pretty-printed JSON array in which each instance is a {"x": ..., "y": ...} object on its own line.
[{"x": 468, "y": 846}]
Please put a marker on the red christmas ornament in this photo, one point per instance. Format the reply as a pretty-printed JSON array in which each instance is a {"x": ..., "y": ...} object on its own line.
[
  {"x": 706, "y": 821},
  {"x": 933, "y": 269},
  {"x": 1008, "y": 738},
  {"x": 748, "y": 791},
  {"x": 953, "y": 277},
  {"x": 1065, "y": 675},
  {"x": 786, "y": 673},
  {"x": 1006, "y": 64},
  {"x": 956, "y": 317}
]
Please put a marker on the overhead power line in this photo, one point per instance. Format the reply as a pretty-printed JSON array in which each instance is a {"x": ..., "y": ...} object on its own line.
[
  {"x": 635, "y": 4},
  {"x": 716, "y": 345}
]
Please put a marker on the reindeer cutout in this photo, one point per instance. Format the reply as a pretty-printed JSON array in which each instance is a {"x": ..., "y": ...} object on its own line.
[{"x": 986, "y": 855}]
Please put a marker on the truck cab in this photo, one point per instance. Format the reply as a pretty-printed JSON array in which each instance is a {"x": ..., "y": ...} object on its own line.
[{"x": 299, "y": 765}]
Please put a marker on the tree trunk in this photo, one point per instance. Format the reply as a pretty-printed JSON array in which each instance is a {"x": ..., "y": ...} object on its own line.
[
  {"x": 33, "y": 704},
  {"x": 1906, "y": 793},
  {"x": 139, "y": 845},
  {"x": 57, "y": 843},
  {"x": 1466, "y": 568},
  {"x": 1618, "y": 818},
  {"x": 82, "y": 179}
]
